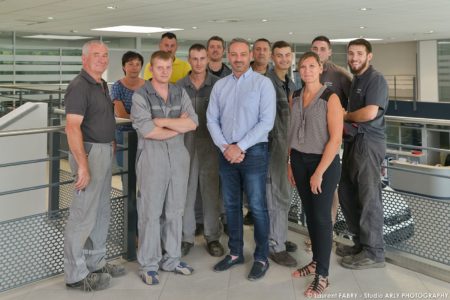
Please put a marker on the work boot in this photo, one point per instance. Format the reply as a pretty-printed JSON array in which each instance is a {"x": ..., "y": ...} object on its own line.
[
  {"x": 344, "y": 250},
  {"x": 92, "y": 282},
  {"x": 215, "y": 248},
  {"x": 185, "y": 248},
  {"x": 113, "y": 270},
  {"x": 283, "y": 258},
  {"x": 361, "y": 261}
]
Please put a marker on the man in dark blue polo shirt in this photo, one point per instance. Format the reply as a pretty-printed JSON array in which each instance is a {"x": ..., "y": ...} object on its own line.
[{"x": 360, "y": 185}]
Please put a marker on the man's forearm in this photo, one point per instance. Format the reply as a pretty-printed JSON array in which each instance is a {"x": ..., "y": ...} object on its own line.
[
  {"x": 180, "y": 125},
  {"x": 161, "y": 134},
  {"x": 365, "y": 114}
]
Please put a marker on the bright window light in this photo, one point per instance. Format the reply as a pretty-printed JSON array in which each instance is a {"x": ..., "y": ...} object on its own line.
[
  {"x": 57, "y": 37},
  {"x": 346, "y": 40},
  {"x": 136, "y": 29}
]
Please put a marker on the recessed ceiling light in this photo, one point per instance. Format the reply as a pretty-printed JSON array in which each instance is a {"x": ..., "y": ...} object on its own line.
[
  {"x": 50, "y": 18},
  {"x": 57, "y": 37},
  {"x": 291, "y": 33},
  {"x": 346, "y": 40},
  {"x": 365, "y": 8},
  {"x": 429, "y": 32},
  {"x": 194, "y": 27},
  {"x": 224, "y": 21},
  {"x": 362, "y": 27},
  {"x": 136, "y": 29},
  {"x": 264, "y": 20},
  {"x": 111, "y": 7}
]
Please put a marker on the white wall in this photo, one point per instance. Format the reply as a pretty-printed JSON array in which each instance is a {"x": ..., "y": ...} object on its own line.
[
  {"x": 20, "y": 148},
  {"x": 428, "y": 71},
  {"x": 395, "y": 58}
]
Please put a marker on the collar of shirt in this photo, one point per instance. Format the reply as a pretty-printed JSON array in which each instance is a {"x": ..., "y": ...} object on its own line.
[
  {"x": 89, "y": 78},
  {"x": 207, "y": 82},
  {"x": 247, "y": 74},
  {"x": 366, "y": 73}
]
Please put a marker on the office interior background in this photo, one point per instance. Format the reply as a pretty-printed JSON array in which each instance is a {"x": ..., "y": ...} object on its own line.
[{"x": 40, "y": 50}]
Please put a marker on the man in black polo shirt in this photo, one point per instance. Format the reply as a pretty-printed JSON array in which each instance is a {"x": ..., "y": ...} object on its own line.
[
  {"x": 90, "y": 129},
  {"x": 360, "y": 185},
  {"x": 215, "y": 48}
]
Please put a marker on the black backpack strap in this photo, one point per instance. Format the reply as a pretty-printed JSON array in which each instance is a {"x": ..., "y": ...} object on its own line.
[{"x": 326, "y": 94}]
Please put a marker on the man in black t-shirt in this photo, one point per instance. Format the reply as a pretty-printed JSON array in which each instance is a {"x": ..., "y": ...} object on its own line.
[
  {"x": 360, "y": 185},
  {"x": 90, "y": 126}
]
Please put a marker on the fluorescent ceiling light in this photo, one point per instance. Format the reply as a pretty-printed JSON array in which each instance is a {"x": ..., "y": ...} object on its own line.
[
  {"x": 346, "y": 40},
  {"x": 57, "y": 37},
  {"x": 136, "y": 29}
]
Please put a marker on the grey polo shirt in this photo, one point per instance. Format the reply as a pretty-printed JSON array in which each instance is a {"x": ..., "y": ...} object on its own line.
[
  {"x": 90, "y": 99},
  {"x": 338, "y": 80},
  {"x": 200, "y": 100},
  {"x": 370, "y": 88},
  {"x": 283, "y": 89}
]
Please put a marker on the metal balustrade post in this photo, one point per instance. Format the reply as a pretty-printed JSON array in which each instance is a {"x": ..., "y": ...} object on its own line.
[
  {"x": 131, "y": 199},
  {"x": 54, "y": 142}
]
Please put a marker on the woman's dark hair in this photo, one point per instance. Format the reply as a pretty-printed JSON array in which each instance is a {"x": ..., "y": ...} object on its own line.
[{"x": 129, "y": 56}]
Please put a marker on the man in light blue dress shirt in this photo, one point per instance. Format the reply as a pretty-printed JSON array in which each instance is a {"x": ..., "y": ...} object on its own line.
[{"x": 240, "y": 115}]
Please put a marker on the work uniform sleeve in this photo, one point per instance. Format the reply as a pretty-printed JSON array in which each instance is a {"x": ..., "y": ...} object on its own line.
[
  {"x": 141, "y": 115},
  {"x": 377, "y": 92},
  {"x": 186, "y": 106}
]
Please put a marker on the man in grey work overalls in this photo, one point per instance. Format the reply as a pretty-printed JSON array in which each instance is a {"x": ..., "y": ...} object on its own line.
[
  {"x": 204, "y": 169},
  {"x": 161, "y": 113},
  {"x": 278, "y": 187}
]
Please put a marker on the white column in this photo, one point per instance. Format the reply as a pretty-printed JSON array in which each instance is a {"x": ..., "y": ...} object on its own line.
[{"x": 427, "y": 71}]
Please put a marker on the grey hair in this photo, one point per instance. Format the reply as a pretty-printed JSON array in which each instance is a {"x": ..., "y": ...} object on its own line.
[
  {"x": 87, "y": 46},
  {"x": 238, "y": 40}
]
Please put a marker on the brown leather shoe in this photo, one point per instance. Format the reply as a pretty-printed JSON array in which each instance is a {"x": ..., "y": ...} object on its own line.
[{"x": 283, "y": 258}]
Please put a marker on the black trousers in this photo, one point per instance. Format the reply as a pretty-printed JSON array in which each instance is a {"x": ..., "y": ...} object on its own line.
[
  {"x": 317, "y": 207},
  {"x": 360, "y": 193}
]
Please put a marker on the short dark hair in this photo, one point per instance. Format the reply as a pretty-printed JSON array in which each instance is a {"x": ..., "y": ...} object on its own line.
[
  {"x": 321, "y": 38},
  {"x": 306, "y": 55},
  {"x": 262, "y": 40},
  {"x": 169, "y": 35},
  {"x": 129, "y": 56},
  {"x": 361, "y": 42},
  {"x": 281, "y": 44},
  {"x": 161, "y": 55},
  {"x": 216, "y": 38},
  {"x": 238, "y": 40},
  {"x": 197, "y": 47}
]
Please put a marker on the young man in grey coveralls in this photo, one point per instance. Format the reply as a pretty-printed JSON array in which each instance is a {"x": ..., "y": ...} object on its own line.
[
  {"x": 204, "y": 168},
  {"x": 90, "y": 129},
  {"x": 360, "y": 185},
  {"x": 278, "y": 188},
  {"x": 161, "y": 113}
]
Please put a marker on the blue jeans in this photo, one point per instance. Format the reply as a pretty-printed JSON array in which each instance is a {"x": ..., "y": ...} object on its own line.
[{"x": 251, "y": 175}]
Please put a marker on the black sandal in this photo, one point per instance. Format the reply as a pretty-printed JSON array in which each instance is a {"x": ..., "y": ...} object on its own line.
[
  {"x": 306, "y": 270},
  {"x": 317, "y": 286}
]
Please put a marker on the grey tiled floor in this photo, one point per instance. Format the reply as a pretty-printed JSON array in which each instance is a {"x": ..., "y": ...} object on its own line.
[{"x": 277, "y": 284}]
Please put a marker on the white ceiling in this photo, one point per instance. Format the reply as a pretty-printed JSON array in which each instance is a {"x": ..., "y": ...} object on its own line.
[{"x": 391, "y": 20}]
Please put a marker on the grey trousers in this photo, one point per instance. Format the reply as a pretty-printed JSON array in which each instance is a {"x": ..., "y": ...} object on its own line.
[
  {"x": 360, "y": 193},
  {"x": 203, "y": 184},
  {"x": 89, "y": 216},
  {"x": 162, "y": 186},
  {"x": 278, "y": 194}
]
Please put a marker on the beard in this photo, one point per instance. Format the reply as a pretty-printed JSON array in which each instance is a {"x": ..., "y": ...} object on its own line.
[{"x": 356, "y": 71}]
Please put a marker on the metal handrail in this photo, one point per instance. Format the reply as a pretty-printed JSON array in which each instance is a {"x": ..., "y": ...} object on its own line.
[{"x": 424, "y": 121}]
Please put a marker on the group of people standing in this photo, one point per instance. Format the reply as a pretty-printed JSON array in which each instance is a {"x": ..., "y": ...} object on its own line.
[{"x": 215, "y": 135}]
